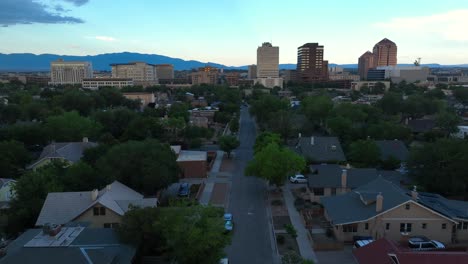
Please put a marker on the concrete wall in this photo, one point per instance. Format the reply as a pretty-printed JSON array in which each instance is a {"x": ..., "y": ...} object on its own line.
[{"x": 98, "y": 220}]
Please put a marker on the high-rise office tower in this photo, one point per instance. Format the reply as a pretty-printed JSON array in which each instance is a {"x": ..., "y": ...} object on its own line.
[
  {"x": 252, "y": 72},
  {"x": 385, "y": 53},
  {"x": 268, "y": 66},
  {"x": 267, "y": 61},
  {"x": 310, "y": 64},
  {"x": 366, "y": 62},
  {"x": 165, "y": 71},
  {"x": 69, "y": 72}
]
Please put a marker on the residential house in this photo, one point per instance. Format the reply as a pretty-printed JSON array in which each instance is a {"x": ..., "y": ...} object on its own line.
[
  {"x": 71, "y": 245},
  {"x": 193, "y": 164},
  {"x": 103, "y": 208},
  {"x": 420, "y": 126},
  {"x": 320, "y": 149},
  {"x": 207, "y": 112},
  {"x": 332, "y": 179},
  {"x": 69, "y": 152},
  {"x": 6, "y": 192},
  {"x": 395, "y": 149},
  {"x": 384, "y": 251},
  {"x": 383, "y": 209}
]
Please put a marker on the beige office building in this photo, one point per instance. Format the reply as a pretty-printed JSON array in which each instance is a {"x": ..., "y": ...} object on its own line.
[
  {"x": 165, "y": 71},
  {"x": 268, "y": 66},
  {"x": 96, "y": 83},
  {"x": 69, "y": 72},
  {"x": 205, "y": 75},
  {"x": 365, "y": 62},
  {"x": 252, "y": 72},
  {"x": 141, "y": 73}
]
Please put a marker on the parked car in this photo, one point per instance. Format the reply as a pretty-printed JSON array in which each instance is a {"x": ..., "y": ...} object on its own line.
[
  {"x": 298, "y": 178},
  {"x": 184, "y": 189},
  {"x": 361, "y": 243},
  {"x": 424, "y": 243},
  {"x": 224, "y": 261},
  {"x": 228, "y": 225}
]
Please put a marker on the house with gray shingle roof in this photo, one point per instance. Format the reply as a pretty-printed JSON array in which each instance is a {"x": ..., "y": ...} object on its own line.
[
  {"x": 103, "y": 208},
  {"x": 320, "y": 149},
  {"x": 72, "y": 245},
  {"x": 333, "y": 179},
  {"x": 383, "y": 209},
  {"x": 392, "y": 148},
  {"x": 69, "y": 152}
]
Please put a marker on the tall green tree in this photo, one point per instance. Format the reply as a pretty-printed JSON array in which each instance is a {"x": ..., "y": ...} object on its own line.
[
  {"x": 364, "y": 153},
  {"x": 13, "y": 158},
  {"x": 70, "y": 126},
  {"x": 264, "y": 139},
  {"x": 317, "y": 108},
  {"x": 228, "y": 144},
  {"x": 448, "y": 122},
  {"x": 441, "y": 166},
  {"x": 145, "y": 166},
  {"x": 275, "y": 163}
]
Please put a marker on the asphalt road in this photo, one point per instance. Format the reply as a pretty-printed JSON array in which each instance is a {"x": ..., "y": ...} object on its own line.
[{"x": 251, "y": 242}]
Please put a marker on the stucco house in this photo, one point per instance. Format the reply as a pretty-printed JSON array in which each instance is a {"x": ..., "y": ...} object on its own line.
[
  {"x": 103, "y": 208},
  {"x": 383, "y": 209},
  {"x": 69, "y": 152},
  {"x": 332, "y": 179}
]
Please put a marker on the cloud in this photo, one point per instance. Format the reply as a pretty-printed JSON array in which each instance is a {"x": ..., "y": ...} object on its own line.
[
  {"x": 77, "y": 2},
  {"x": 105, "y": 38},
  {"x": 450, "y": 25},
  {"x": 15, "y": 12}
]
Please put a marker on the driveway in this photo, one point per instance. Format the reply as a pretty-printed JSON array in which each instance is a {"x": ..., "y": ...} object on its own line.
[{"x": 332, "y": 257}]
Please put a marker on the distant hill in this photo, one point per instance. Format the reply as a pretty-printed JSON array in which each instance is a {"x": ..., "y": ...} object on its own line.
[{"x": 32, "y": 62}]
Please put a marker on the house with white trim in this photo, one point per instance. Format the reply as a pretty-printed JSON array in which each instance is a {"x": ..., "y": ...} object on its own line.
[{"x": 382, "y": 209}]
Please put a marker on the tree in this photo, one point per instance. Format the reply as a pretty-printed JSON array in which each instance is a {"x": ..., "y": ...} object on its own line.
[
  {"x": 293, "y": 257},
  {"x": 461, "y": 94},
  {"x": 281, "y": 123},
  {"x": 82, "y": 177},
  {"x": 441, "y": 166},
  {"x": 275, "y": 163},
  {"x": 265, "y": 106},
  {"x": 144, "y": 127},
  {"x": 364, "y": 153},
  {"x": 390, "y": 103},
  {"x": 145, "y": 166},
  {"x": 234, "y": 125},
  {"x": 448, "y": 122},
  {"x": 317, "y": 108},
  {"x": 264, "y": 139},
  {"x": 228, "y": 144},
  {"x": 30, "y": 193},
  {"x": 179, "y": 110},
  {"x": 70, "y": 126},
  {"x": 115, "y": 121},
  {"x": 194, "y": 234},
  {"x": 13, "y": 158}
]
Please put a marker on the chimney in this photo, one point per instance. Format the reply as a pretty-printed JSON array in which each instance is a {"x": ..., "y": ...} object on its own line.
[
  {"x": 406, "y": 121},
  {"x": 312, "y": 141},
  {"x": 85, "y": 140},
  {"x": 379, "y": 203},
  {"x": 94, "y": 194},
  {"x": 414, "y": 194},
  {"x": 300, "y": 135},
  {"x": 108, "y": 187},
  {"x": 344, "y": 178},
  {"x": 348, "y": 166}
]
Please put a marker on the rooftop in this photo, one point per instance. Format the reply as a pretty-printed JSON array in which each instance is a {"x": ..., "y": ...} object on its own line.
[
  {"x": 392, "y": 148},
  {"x": 320, "y": 149},
  {"x": 191, "y": 155}
]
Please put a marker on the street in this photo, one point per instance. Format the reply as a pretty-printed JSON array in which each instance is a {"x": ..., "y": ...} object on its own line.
[{"x": 251, "y": 242}]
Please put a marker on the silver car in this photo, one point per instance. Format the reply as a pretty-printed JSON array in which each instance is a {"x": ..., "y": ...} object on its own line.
[{"x": 298, "y": 178}]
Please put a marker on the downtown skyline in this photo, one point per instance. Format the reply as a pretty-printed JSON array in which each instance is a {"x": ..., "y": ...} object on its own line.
[{"x": 206, "y": 31}]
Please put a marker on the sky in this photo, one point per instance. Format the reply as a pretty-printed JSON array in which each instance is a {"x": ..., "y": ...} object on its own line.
[{"x": 229, "y": 31}]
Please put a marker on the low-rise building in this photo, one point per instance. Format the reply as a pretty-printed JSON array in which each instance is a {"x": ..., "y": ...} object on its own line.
[
  {"x": 69, "y": 152},
  {"x": 392, "y": 148},
  {"x": 205, "y": 75},
  {"x": 320, "y": 149},
  {"x": 382, "y": 209},
  {"x": 71, "y": 245},
  {"x": 193, "y": 164},
  {"x": 144, "y": 98},
  {"x": 462, "y": 132},
  {"x": 96, "y": 83},
  {"x": 357, "y": 86},
  {"x": 141, "y": 73},
  {"x": 103, "y": 208},
  {"x": 270, "y": 82}
]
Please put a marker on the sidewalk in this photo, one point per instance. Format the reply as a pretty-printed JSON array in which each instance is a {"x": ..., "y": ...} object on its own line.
[
  {"x": 305, "y": 246},
  {"x": 210, "y": 181}
]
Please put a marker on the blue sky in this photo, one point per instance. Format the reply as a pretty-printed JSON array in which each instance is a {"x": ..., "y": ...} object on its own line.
[{"x": 229, "y": 32}]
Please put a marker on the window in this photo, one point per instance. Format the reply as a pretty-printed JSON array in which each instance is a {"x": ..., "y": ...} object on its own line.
[
  {"x": 107, "y": 225},
  {"x": 444, "y": 226},
  {"x": 352, "y": 228},
  {"x": 366, "y": 226},
  {"x": 405, "y": 227},
  {"x": 424, "y": 226},
  {"x": 333, "y": 191},
  {"x": 99, "y": 211},
  {"x": 387, "y": 226},
  {"x": 407, "y": 206},
  {"x": 111, "y": 225},
  {"x": 318, "y": 191}
]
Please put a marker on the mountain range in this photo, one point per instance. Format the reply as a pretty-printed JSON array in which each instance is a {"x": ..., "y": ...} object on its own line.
[{"x": 32, "y": 62}]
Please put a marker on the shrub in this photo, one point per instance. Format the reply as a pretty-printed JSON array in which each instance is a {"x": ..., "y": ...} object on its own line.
[
  {"x": 291, "y": 230},
  {"x": 280, "y": 239},
  {"x": 277, "y": 202}
]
